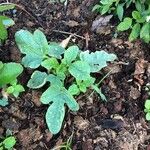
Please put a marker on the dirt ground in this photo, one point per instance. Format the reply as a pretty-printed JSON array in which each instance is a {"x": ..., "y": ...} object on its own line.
[{"x": 119, "y": 123}]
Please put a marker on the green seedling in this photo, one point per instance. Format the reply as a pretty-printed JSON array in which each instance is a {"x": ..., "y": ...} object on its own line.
[
  {"x": 62, "y": 65},
  {"x": 5, "y": 21},
  {"x": 147, "y": 109},
  {"x": 7, "y": 143},
  {"x": 8, "y": 81}
]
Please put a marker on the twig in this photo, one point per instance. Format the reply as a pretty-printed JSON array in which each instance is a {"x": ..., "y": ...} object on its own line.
[{"x": 69, "y": 33}]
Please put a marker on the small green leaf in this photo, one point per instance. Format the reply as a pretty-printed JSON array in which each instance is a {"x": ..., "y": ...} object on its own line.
[
  {"x": 96, "y": 7},
  {"x": 6, "y": 21},
  {"x": 80, "y": 70},
  {"x": 55, "y": 50},
  {"x": 120, "y": 11},
  {"x": 74, "y": 90},
  {"x": 136, "y": 15},
  {"x": 8, "y": 74},
  {"x": 55, "y": 116},
  {"x": 9, "y": 142},
  {"x": 3, "y": 33},
  {"x": 54, "y": 80},
  {"x": 145, "y": 32},
  {"x": 10, "y": 90},
  {"x": 99, "y": 91},
  {"x": 147, "y": 104},
  {"x": 6, "y": 7},
  {"x": 17, "y": 90},
  {"x": 125, "y": 25},
  {"x": 70, "y": 54},
  {"x": 3, "y": 102},
  {"x": 105, "y": 9},
  {"x": 148, "y": 116},
  {"x": 135, "y": 32},
  {"x": 50, "y": 63},
  {"x": 38, "y": 79}
]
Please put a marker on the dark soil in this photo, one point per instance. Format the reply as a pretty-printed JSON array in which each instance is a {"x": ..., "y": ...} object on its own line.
[{"x": 119, "y": 123}]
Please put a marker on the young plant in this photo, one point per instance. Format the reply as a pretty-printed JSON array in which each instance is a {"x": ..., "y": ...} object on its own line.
[
  {"x": 8, "y": 80},
  {"x": 7, "y": 143},
  {"x": 5, "y": 22},
  {"x": 138, "y": 21},
  {"x": 147, "y": 109},
  {"x": 68, "y": 72}
]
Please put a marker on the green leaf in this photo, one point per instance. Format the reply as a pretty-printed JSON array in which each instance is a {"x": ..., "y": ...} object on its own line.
[
  {"x": 3, "y": 102},
  {"x": 147, "y": 104},
  {"x": 99, "y": 91},
  {"x": 6, "y": 7},
  {"x": 38, "y": 79},
  {"x": 136, "y": 15},
  {"x": 145, "y": 32},
  {"x": 34, "y": 46},
  {"x": 96, "y": 7},
  {"x": 125, "y": 25},
  {"x": 54, "y": 80},
  {"x": 17, "y": 90},
  {"x": 6, "y": 21},
  {"x": 135, "y": 32},
  {"x": 148, "y": 116},
  {"x": 55, "y": 113},
  {"x": 8, "y": 74},
  {"x": 80, "y": 70},
  {"x": 55, "y": 116},
  {"x": 71, "y": 54},
  {"x": 120, "y": 11},
  {"x": 105, "y": 9},
  {"x": 10, "y": 90},
  {"x": 3, "y": 33},
  {"x": 74, "y": 90},
  {"x": 55, "y": 50},
  {"x": 9, "y": 142},
  {"x": 50, "y": 63},
  {"x": 56, "y": 93},
  {"x": 97, "y": 60}
]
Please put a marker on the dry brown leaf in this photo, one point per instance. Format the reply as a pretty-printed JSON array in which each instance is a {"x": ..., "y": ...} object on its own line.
[
  {"x": 72, "y": 23},
  {"x": 65, "y": 42},
  {"x": 140, "y": 68},
  {"x": 100, "y": 21}
]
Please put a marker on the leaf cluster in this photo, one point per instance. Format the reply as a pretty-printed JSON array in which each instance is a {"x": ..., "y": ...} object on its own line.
[
  {"x": 68, "y": 72},
  {"x": 5, "y": 21},
  {"x": 7, "y": 143},
  {"x": 8, "y": 80},
  {"x": 138, "y": 20}
]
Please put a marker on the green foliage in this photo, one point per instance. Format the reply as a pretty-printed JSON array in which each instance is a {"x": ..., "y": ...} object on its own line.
[
  {"x": 5, "y": 22},
  {"x": 8, "y": 80},
  {"x": 147, "y": 109},
  {"x": 62, "y": 65},
  {"x": 138, "y": 21},
  {"x": 7, "y": 143}
]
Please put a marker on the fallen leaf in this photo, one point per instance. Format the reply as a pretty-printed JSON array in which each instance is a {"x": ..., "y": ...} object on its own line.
[
  {"x": 140, "y": 68},
  {"x": 72, "y": 23},
  {"x": 100, "y": 21}
]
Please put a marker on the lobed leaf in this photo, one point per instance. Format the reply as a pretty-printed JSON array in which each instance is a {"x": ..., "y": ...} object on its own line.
[
  {"x": 97, "y": 60},
  {"x": 71, "y": 54},
  {"x": 38, "y": 79},
  {"x": 34, "y": 46},
  {"x": 80, "y": 70}
]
